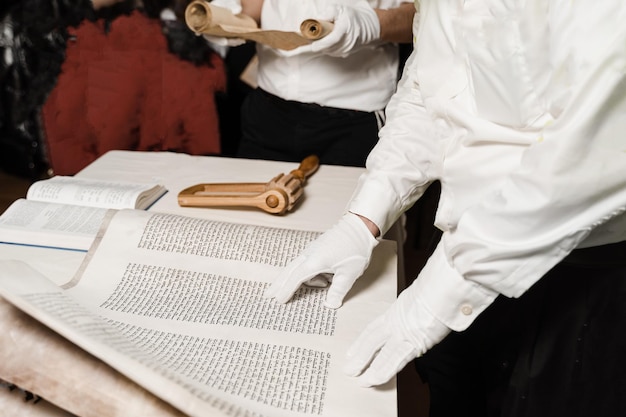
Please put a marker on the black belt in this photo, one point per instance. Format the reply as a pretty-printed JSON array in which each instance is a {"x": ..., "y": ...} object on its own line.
[
  {"x": 291, "y": 105},
  {"x": 613, "y": 254}
]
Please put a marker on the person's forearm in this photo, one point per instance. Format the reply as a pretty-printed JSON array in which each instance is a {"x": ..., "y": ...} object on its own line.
[
  {"x": 103, "y": 3},
  {"x": 371, "y": 226},
  {"x": 252, "y": 8},
  {"x": 396, "y": 24}
]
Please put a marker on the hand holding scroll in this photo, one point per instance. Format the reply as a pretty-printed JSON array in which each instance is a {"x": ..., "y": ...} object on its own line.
[
  {"x": 221, "y": 22},
  {"x": 355, "y": 26}
]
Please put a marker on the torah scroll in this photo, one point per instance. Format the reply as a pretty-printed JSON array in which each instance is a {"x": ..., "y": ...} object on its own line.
[{"x": 204, "y": 18}]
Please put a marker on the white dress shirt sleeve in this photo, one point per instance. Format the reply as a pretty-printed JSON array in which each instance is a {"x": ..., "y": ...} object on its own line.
[
  {"x": 399, "y": 169},
  {"x": 568, "y": 184}
]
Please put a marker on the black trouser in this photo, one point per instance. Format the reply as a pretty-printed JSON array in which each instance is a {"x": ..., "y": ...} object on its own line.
[
  {"x": 558, "y": 350},
  {"x": 276, "y": 129}
]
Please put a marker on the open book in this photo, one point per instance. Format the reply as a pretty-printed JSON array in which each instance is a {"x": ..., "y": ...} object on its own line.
[
  {"x": 175, "y": 304},
  {"x": 95, "y": 193},
  {"x": 66, "y": 212}
]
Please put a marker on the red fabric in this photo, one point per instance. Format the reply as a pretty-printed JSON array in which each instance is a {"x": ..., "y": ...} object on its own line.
[{"x": 124, "y": 90}]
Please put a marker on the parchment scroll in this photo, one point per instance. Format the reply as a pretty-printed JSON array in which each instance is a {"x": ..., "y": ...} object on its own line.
[{"x": 204, "y": 18}]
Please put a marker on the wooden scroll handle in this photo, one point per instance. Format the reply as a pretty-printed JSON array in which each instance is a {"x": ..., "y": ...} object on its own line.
[
  {"x": 315, "y": 29},
  {"x": 271, "y": 200},
  {"x": 307, "y": 167},
  {"x": 277, "y": 196},
  {"x": 201, "y": 16}
]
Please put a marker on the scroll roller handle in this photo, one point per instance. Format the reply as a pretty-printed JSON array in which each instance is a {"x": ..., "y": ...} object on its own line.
[{"x": 307, "y": 167}]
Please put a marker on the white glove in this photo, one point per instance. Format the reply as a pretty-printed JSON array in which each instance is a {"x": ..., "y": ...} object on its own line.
[
  {"x": 221, "y": 44},
  {"x": 355, "y": 26},
  {"x": 233, "y": 5},
  {"x": 344, "y": 250},
  {"x": 222, "y": 41},
  {"x": 404, "y": 332}
]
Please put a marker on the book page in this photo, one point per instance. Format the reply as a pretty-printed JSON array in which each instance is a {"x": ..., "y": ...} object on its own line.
[
  {"x": 175, "y": 304},
  {"x": 95, "y": 193},
  {"x": 53, "y": 225}
]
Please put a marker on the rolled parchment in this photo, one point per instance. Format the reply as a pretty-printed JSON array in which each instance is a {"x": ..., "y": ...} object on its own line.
[
  {"x": 315, "y": 29},
  {"x": 204, "y": 18},
  {"x": 40, "y": 361},
  {"x": 201, "y": 17}
]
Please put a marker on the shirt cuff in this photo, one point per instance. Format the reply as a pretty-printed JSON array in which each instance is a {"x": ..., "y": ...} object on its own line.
[
  {"x": 448, "y": 296},
  {"x": 376, "y": 202}
]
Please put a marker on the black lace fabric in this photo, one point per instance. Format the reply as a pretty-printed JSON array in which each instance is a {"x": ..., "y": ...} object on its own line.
[
  {"x": 33, "y": 35},
  {"x": 33, "y": 38}
]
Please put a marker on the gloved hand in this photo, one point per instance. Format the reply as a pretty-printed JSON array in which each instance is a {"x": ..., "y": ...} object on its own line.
[
  {"x": 404, "y": 332},
  {"x": 222, "y": 41},
  {"x": 222, "y": 44},
  {"x": 355, "y": 25},
  {"x": 233, "y": 5},
  {"x": 344, "y": 250}
]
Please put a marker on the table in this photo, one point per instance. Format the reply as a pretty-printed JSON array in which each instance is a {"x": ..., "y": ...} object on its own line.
[{"x": 325, "y": 198}]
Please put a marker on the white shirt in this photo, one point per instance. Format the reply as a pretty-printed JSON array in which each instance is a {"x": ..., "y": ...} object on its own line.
[
  {"x": 518, "y": 107},
  {"x": 364, "y": 81}
]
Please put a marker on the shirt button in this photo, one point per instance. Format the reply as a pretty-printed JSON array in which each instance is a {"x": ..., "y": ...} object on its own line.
[{"x": 466, "y": 309}]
